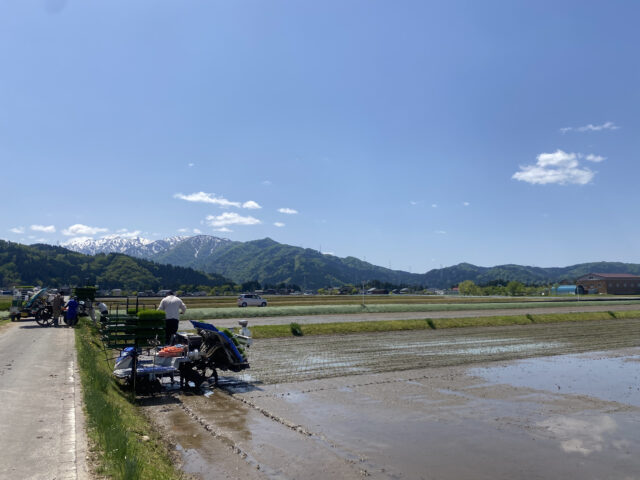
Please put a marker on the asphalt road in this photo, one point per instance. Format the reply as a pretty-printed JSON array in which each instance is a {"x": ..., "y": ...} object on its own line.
[
  {"x": 362, "y": 317},
  {"x": 41, "y": 419}
]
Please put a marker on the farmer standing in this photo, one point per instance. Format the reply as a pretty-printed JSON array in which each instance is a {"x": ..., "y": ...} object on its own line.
[
  {"x": 72, "y": 311},
  {"x": 172, "y": 307},
  {"x": 56, "y": 306}
]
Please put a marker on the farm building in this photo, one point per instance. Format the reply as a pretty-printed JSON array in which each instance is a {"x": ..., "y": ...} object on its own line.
[
  {"x": 564, "y": 290},
  {"x": 611, "y": 283}
]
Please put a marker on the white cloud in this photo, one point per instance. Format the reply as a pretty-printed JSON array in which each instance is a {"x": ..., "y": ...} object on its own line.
[
  {"x": 466, "y": 204},
  {"x": 17, "y": 230},
  {"x": 251, "y": 205},
  {"x": 124, "y": 233},
  {"x": 82, "y": 230},
  {"x": 267, "y": 182},
  {"x": 440, "y": 232},
  {"x": 434, "y": 205},
  {"x": 183, "y": 230},
  {"x": 202, "y": 197},
  {"x": 559, "y": 167},
  {"x": 190, "y": 164},
  {"x": 223, "y": 229},
  {"x": 288, "y": 211},
  {"x": 279, "y": 224},
  {"x": 595, "y": 158},
  {"x": 413, "y": 202},
  {"x": 43, "y": 228},
  {"x": 230, "y": 219},
  {"x": 197, "y": 231},
  {"x": 591, "y": 128}
]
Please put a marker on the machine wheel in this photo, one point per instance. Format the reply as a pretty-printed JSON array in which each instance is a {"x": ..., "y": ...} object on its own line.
[
  {"x": 43, "y": 317},
  {"x": 244, "y": 304},
  {"x": 263, "y": 304}
]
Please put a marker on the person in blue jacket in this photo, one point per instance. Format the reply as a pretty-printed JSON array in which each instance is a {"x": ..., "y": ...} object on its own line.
[{"x": 71, "y": 316}]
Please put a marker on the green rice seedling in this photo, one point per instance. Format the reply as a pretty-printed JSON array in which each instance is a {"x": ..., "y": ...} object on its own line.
[
  {"x": 627, "y": 314},
  {"x": 151, "y": 315}
]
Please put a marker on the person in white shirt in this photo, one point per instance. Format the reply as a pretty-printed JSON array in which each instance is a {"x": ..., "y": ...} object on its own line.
[
  {"x": 104, "y": 311},
  {"x": 172, "y": 307}
]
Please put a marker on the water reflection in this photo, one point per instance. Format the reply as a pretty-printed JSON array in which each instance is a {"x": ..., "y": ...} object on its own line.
[
  {"x": 608, "y": 378},
  {"x": 582, "y": 436}
]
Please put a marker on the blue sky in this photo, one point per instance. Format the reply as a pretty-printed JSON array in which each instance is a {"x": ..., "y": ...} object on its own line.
[{"x": 414, "y": 135}]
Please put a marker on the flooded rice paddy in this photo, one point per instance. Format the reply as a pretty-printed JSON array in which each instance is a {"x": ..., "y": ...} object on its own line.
[
  {"x": 541, "y": 401},
  {"x": 305, "y": 358}
]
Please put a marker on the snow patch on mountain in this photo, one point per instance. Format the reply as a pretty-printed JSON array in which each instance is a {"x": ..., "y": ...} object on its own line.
[{"x": 135, "y": 247}]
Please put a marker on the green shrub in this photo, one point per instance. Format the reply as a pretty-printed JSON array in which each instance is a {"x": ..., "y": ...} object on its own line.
[
  {"x": 530, "y": 317},
  {"x": 431, "y": 323},
  {"x": 611, "y": 314},
  {"x": 296, "y": 330}
]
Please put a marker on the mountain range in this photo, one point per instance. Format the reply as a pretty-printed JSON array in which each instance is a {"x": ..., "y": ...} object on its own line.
[
  {"x": 268, "y": 261},
  {"x": 48, "y": 265}
]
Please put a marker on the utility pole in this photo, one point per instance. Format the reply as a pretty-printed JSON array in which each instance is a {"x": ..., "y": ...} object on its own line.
[{"x": 363, "y": 294}]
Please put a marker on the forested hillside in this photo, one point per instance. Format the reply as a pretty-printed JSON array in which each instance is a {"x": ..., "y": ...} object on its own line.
[
  {"x": 270, "y": 262},
  {"x": 49, "y": 265}
]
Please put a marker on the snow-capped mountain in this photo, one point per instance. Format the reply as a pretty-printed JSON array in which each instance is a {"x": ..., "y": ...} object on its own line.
[
  {"x": 205, "y": 245},
  {"x": 133, "y": 246}
]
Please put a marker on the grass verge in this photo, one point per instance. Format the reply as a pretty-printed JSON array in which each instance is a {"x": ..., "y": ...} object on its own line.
[
  {"x": 275, "y": 331},
  {"x": 117, "y": 429}
]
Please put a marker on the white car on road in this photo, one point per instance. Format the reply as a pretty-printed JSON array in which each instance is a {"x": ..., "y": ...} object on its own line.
[{"x": 251, "y": 300}]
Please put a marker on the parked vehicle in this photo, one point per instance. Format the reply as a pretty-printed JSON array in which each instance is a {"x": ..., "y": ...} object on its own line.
[
  {"x": 251, "y": 300},
  {"x": 29, "y": 303}
]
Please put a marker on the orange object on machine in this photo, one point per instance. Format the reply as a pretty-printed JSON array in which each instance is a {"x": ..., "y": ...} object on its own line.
[{"x": 171, "y": 351}]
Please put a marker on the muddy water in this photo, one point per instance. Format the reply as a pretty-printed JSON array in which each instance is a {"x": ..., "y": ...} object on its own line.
[{"x": 422, "y": 405}]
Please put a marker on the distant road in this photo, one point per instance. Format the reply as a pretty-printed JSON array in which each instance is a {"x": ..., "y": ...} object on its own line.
[{"x": 362, "y": 317}]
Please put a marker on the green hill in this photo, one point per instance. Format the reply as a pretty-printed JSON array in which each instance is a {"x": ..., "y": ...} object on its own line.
[
  {"x": 271, "y": 262},
  {"x": 209, "y": 261},
  {"x": 49, "y": 265}
]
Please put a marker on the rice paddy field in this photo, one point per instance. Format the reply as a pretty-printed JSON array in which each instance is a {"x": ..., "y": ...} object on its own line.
[
  {"x": 199, "y": 308},
  {"x": 305, "y": 300}
]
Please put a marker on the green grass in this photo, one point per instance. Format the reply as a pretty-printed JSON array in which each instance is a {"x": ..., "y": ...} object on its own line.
[
  {"x": 256, "y": 312},
  {"x": 4, "y": 309},
  {"x": 115, "y": 425},
  {"x": 276, "y": 331}
]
